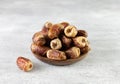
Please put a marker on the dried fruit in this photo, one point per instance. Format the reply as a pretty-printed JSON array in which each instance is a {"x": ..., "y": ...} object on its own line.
[
  {"x": 85, "y": 49},
  {"x": 66, "y": 41},
  {"x": 82, "y": 33},
  {"x": 56, "y": 55},
  {"x": 60, "y": 41},
  {"x": 39, "y": 38},
  {"x": 40, "y": 50},
  {"x": 80, "y": 41},
  {"x": 48, "y": 25},
  {"x": 54, "y": 31},
  {"x": 73, "y": 52},
  {"x": 65, "y": 24},
  {"x": 24, "y": 64},
  {"x": 45, "y": 29},
  {"x": 70, "y": 31},
  {"x": 56, "y": 44}
]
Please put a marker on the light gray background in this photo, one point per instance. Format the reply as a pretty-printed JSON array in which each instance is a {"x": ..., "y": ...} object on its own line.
[{"x": 20, "y": 19}]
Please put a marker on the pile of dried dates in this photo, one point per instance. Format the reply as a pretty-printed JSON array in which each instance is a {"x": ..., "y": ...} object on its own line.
[{"x": 60, "y": 41}]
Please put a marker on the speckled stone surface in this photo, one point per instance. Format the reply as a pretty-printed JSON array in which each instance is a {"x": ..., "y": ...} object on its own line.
[{"x": 20, "y": 19}]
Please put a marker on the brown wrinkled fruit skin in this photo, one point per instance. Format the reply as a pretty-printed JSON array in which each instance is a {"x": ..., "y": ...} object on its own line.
[
  {"x": 54, "y": 31},
  {"x": 85, "y": 49},
  {"x": 46, "y": 28},
  {"x": 82, "y": 33},
  {"x": 39, "y": 38},
  {"x": 36, "y": 34},
  {"x": 48, "y": 25},
  {"x": 40, "y": 50},
  {"x": 47, "y": 39},
  {"x": 66, "y": 41},
  {"x": 44, "y": 41},
  {"x": 44, "y": 32},
  {"x": 65, "y": 24},
  {"x": 73, "y": 53},
  {"x": 56, "y": 55},
  {"x": 24, "y": 64}
]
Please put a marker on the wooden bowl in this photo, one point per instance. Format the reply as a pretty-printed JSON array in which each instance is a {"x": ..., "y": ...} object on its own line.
[{"x": 59, "y": 63}]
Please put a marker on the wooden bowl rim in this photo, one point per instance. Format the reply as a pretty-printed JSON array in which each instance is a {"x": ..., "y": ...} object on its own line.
[{"x": 60, "y": 62}]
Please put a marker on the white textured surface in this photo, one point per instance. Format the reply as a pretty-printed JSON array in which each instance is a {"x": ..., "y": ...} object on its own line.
[{"x": 20, "y": 19}]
